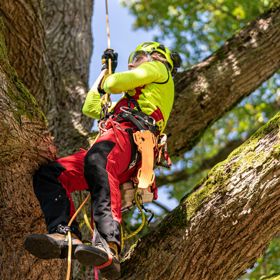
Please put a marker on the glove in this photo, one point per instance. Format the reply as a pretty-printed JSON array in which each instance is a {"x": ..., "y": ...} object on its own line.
[{"x": 109, "y": 53}]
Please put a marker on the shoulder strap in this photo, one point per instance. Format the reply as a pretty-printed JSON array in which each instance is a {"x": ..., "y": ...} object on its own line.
[{"x": 133, "y": 101}]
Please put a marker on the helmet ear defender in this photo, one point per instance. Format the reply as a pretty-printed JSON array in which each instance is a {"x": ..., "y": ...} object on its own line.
[{"x": 177, "y": 61}]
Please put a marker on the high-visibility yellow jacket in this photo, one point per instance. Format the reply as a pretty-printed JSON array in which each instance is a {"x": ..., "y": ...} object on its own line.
[{"x": 150, "y": 84}]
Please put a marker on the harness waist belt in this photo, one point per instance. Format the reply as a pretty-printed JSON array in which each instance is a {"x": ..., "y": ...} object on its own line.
[{"x": 139, "y": 119}]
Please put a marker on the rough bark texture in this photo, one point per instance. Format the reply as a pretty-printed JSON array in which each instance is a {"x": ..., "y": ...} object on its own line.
[
  {"x": 25, "y": 40},
  {"x": 26, "y": 43},
  {"x": 69, "y": 47},
  {"x": 209, "y": 89},
  {"x": 49, "y": 44},
  {"x": 185, "y": 174},
  {"x": 24, "y": 144},
  {"x": 220, "y": 229}
]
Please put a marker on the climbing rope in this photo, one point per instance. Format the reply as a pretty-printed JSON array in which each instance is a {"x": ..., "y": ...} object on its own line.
[
  {"x": 85, "y": 216},
  {"x": 138, "y": 203},
  {"x": 106, "y": 98},
  {"x": 69, "y": 237},
  {"x": 108, "y": 31},
  {"x": 68, "y": 274},
  {"x": 106, "y": 104}
]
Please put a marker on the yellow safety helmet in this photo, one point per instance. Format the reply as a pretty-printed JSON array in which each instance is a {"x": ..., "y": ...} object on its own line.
[{"x": 172, "y": 58}]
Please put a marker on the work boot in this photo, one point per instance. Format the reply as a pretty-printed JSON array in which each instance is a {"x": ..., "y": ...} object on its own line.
[
  {"x": 51, "y": 245},
  {"x": 102, "y": 255}
]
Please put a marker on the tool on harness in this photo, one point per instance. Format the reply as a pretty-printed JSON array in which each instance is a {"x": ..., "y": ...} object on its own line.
[
  {"x": 162, "y": 157},
  {"x": 145, "y": 141}
]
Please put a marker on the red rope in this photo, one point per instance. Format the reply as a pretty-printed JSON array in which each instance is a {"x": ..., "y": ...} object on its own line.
[
  {"x": 109, "y": 262},
  {"x": 96, "y": 273}
]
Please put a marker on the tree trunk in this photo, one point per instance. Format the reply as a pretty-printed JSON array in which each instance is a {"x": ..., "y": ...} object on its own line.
[
  {"x": 69, "y": 47},
  {"x": 25, "y": 142},
  {"x": 211, "y": 88},
  {"x": 25, "y": 40},
  {"x": 222, "y": 227},
  {"x": 52, "y": 62}
]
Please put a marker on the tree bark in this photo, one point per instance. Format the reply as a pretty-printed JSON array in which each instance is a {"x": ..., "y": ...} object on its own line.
[
  {"x": 25, "y": 141},
  {"x": 222, "y": 227},
  {"x": 69, "y": 47},
  {"x": 184, "y": 174},
  {"x": 49, "y": 44},
  {"x": 211, "y": 88},
  {"x": 24, "y": 144},
  {"x": 25, "y": 39}
]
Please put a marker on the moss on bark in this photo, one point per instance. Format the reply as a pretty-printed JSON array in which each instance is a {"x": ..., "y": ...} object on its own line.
[
  {"x": 22, "y": 101},
  {"x": 216, "y": 180}
]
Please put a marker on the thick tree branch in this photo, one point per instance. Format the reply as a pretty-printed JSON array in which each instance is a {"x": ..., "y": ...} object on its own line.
[
  {"x": 222, "y": 227},
  {"x": 184, "y": 174},
  {"x": 211, "y": 88}
]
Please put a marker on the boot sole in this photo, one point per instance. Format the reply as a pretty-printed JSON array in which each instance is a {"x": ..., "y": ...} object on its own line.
[
  {"x": 45, "y": 247},
  {"x": 88, "y": 255}
]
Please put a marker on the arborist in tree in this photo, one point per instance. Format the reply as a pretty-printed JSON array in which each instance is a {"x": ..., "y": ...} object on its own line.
[{"x": 111, "y": 161}]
